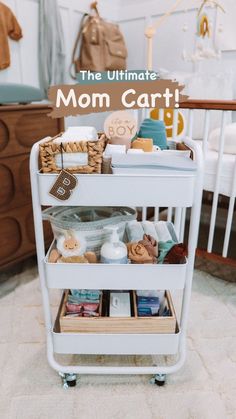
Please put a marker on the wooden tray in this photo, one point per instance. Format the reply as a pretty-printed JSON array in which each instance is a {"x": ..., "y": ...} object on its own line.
[{"x": 134, "y": 324}]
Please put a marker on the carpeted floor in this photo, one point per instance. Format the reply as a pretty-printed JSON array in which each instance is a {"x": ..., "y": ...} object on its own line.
[{"x": 204, "y": 389}]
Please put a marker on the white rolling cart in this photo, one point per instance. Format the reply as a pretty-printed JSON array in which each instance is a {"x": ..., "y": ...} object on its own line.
[{"x": 177, "y": 189}]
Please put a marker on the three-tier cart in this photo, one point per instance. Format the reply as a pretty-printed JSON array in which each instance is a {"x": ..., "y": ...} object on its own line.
[{"x": 178, "y": 189}]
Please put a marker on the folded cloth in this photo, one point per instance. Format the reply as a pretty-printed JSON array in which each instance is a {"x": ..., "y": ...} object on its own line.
[
  {"x": 74, "y": 134},
  {"x": 135, "y": 151},
  {"x": 137, "y": 253},
  {"x": 163, "y": 233},
  {"x": 156, "y": 130},
  {"x": 113, "y": 149},
  {"x": 171, "y": 252},
  {"x": 73, "y": 308},
  {"x": 121, "y": 141},
  {"x": 86, "y": 294},
  {"x": 149, "y": 229},
  {"x": 164, "y": 248},
  {"x": 71, "y": 160},
  {"x": 74, "y": 300},
  {"x": 134, "y": 231},
  {"x": 90, "y": 314},
  {"x": 150, "y": 245},
  {"x": 90, "y": 306},
  {"x": 177, "y": 254},
  {"x": 82, "y": 307}
]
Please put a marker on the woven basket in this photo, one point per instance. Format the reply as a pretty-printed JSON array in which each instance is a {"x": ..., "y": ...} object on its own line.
[{"x": 49, "y": 149}]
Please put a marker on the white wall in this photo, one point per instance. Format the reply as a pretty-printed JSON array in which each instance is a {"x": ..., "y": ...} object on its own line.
[
  {"x": 24, "y": 54},
  {"x": 169, "y": 41},
  {"x": 133, "y": 16}
]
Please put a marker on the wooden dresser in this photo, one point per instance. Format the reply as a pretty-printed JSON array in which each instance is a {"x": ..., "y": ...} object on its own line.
[{"x": 20, "y": 127}]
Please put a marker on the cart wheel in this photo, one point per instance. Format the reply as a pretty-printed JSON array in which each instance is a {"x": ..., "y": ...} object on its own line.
[
  {"x": 160, "y": 380},
  {"x": 71, "y": 383},
  {"x": 68, "y": 380}
]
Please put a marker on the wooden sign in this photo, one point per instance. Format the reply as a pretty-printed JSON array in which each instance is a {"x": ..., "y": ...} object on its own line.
[
  {"x": 64, "y": 185},
  {"x": 121, "y": 124}
]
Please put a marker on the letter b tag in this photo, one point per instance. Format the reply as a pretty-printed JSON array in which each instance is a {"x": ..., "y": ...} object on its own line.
[{"x": 63, "y": 186}]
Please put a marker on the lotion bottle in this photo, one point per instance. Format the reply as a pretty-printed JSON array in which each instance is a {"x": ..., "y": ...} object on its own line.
[{"x": 114, "y": 251}]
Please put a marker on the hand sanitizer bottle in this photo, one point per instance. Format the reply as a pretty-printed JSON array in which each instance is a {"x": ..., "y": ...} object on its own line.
[{"x": 114, "y": 251}]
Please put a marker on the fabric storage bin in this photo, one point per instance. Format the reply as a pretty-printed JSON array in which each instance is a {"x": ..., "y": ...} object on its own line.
[
  {"x": 90, "y": 221},
  {"x": 132, "y": 324},
  {"x": 92, "y": 151}
]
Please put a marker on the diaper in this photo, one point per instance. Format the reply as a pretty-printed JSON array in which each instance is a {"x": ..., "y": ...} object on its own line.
[{"x": 74, "y": 134}]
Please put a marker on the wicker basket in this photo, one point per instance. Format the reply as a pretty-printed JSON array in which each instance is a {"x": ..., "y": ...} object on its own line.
[{"x": 49, "y": 149}]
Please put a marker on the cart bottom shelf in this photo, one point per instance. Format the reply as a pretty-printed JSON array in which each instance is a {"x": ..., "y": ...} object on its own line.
[{"x": 116, "y": 344}]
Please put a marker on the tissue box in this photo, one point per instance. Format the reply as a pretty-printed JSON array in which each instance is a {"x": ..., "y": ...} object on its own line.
[
  {"x": 85, "y": 156},
  {"x": 120, "y": 304}
]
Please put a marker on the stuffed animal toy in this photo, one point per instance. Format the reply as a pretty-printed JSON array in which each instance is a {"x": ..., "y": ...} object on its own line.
[
  {"x": 71, "y": 248},
  {"x": 73, "y": 259},
  {"x": 72, "y": 244},
  {"x": 54, "y": 256}
]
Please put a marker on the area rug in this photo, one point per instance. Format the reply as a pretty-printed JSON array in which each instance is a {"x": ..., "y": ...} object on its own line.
[{"x": 204, "y": 388}]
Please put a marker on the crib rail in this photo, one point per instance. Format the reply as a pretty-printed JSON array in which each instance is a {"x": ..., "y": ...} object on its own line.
[
  {"x": 178, "y": 215},
  {"x": 224, "y": 107}
]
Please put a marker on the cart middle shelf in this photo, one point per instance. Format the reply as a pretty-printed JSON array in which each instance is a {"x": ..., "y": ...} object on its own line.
[{"x": 115, "y": 276}]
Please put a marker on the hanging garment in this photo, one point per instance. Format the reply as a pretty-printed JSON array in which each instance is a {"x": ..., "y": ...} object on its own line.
[
  {"x": 51, "y": 45},
  {"x": 8, "y": 27}
]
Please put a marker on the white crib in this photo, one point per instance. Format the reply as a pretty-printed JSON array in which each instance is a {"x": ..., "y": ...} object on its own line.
[{"x": 220, "y": 168}]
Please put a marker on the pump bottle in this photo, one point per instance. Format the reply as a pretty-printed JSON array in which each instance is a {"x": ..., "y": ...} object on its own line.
[{"x": 113, "y": 250}]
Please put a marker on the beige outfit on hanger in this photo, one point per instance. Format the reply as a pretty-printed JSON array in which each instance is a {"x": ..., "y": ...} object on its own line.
[{"x": 8, "y": 27}]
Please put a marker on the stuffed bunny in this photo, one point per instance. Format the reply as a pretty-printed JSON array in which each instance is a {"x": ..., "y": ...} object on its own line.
[
  {"x": 71, "y": 245},
  {"x": 71, "y": 248}
]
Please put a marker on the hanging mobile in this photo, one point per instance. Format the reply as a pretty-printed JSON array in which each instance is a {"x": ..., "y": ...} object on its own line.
[
  {"x": 203, "y": 26},
  {"x": 211, "y": 3}
]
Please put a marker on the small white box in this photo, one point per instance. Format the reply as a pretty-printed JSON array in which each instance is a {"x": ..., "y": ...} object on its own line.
[{"x": 120, "y": 304}]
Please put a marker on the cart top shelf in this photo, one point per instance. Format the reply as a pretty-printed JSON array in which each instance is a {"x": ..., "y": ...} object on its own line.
[
  {"x": 163, "y": 188},
  {"x": 108, "y": 190}
]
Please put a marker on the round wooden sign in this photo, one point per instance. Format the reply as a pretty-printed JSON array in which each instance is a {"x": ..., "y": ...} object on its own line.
[{"x": 120, "y": 124}]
